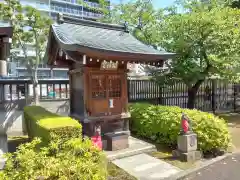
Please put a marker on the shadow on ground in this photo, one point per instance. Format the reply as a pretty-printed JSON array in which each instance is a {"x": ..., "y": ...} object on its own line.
[
  {"x": 14, "y": 142},
  {"x": 233, "y": 120}
]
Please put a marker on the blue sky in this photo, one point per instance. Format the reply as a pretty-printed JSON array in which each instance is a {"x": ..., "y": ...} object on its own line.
[{"x": 157, "y": 3}]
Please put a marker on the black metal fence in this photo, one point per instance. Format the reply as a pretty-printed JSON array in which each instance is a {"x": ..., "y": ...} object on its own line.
[{"x": 213, "y": 95}]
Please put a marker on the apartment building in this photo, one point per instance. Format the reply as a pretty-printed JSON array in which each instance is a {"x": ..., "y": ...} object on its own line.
[{"x": 52, "y": 8}]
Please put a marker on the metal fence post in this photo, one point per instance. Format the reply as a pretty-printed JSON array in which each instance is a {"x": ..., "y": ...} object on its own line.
[
  {"x": 234, "y": 97},
  {"x": 160, "y": 98},
  {"x": 213, "y": 95}
]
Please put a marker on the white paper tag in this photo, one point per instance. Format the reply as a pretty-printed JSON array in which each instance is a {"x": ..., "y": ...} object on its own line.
[{"x": 111, "y": 103}]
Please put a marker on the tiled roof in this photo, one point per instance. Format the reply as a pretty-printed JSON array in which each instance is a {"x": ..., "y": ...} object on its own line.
[{"x": 82, "y": 33}]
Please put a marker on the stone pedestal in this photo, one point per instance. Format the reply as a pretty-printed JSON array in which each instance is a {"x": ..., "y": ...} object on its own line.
[
  {"x": 116, "y": 142},
  {"x": 3, "y": 150},
  {"x": 187, "y": 148}
]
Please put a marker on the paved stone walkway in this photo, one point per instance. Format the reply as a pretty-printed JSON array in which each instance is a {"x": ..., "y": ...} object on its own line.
[
  {"x": 145, "y": 167},
  {"x": 226, "y": 169}
]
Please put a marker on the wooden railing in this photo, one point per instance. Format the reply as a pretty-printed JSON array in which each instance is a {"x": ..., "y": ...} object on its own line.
[{"x": 12, "y": 90}]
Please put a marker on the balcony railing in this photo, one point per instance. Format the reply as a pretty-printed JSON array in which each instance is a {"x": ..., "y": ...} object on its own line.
[
  {"x": 71, "y": 2},
  {"x": 75, "y": 12},
  {"x": 37, "y": 5}
]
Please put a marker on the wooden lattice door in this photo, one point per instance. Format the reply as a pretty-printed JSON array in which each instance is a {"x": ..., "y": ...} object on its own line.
[
  {"x": 106, "y": 94},
  {"x": 114, "y": 82},
  {"x": 99, "y": 100}
]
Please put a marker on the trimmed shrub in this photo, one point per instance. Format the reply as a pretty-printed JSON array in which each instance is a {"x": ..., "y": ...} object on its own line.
[
  {"x": 162, "y": 124},
  {"x": 69, "y": 160},
  {"x": 44, "y": 124}
]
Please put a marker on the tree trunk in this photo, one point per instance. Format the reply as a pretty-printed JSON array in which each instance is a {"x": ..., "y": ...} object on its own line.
[
  {"x": 35, "y": 88},
  {"x": 192, "y": 93}
]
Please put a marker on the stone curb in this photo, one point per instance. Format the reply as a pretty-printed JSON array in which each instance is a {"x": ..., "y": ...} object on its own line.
[
  {"x": 131, "y": 153},
  {"x": 184, "y": 173}
]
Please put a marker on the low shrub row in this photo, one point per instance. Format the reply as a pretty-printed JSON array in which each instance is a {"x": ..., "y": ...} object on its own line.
[
  {"x": 57, "y": 151},
  {"x": 162, "y": 124},
  {"x": 72, "y": 159},
  {"x": 44, "y": 124}
]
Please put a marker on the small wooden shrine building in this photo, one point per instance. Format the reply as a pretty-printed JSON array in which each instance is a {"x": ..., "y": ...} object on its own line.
[{"x": 97, "y": 55}]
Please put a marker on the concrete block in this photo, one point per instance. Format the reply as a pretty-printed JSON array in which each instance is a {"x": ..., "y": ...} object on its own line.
[
  {"x": 191, "y": 156},
  {"x": 2, "y": 162},
  {"x": 3, "y": 145},
  {"x": 117, "y": 141},
  {"x": 187, "y": 143},
  {"x": 187, "y": 157}
]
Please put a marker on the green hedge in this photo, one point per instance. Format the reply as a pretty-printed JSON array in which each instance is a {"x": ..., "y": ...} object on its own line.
[
  {"x": 162, "y": 125},
  {"x": 72, "y": 159},
  {"x": 44, "y": 124}
]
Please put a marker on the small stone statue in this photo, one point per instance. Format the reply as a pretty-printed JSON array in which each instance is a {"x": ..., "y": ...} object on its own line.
[
  {"x": 97, "y": 130},
  {"x": 186, "y": 125},
  {"x": 187, "y": 143}
]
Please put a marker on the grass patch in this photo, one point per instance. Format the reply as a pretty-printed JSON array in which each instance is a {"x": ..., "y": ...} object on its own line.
[
  {"x": 116, "y": 173},
  {"x": 165, "y": 154},
  {"x": 167, "y": 157},
  {"x": 233, "y": 120}
]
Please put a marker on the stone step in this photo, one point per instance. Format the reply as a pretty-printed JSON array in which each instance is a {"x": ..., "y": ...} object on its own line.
[
  {"x": 145, "y": 167},
  {"x": 136, "y": 146}
]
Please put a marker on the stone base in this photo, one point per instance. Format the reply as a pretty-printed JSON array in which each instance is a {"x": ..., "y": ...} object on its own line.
[
  {"x": 2, "y": 163},
  {"x": 187, "y": 142},
  {"x": 187, "y": 157},
  {"x": 116, "y": 142},
  {"x": 3, "y": 144}
]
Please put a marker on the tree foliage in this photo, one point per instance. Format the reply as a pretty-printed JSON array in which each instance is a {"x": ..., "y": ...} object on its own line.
[
  {"x": 101, "y": 8},
  {"x": 204, "y": 36},
  {"x": 206, "y": 42},
  {"x": 30, "y": 33},
  {"x": 235, "y": 4},
  {"x": 141, "y": 18}
]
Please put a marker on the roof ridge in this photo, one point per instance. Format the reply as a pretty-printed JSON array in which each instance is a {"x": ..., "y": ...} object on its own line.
[{"x": 72, "y": 20}]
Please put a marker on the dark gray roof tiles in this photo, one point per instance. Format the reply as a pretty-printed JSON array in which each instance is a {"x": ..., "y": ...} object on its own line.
[{"x": 100, "y": 36}]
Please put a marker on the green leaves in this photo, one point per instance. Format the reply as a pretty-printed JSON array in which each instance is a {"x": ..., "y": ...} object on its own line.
[
  {"x": 162, "y": 124},
  {"x": 72, "y": 159},
  {"x": 102, "y": 6},
  {"x": 205, "y": 38},
  {"x": 206, "y": 42},
  {"x": 141, "y": 17}
]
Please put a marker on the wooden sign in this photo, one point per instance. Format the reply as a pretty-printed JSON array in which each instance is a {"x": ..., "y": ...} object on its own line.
[{"x": 105, "y": 65}]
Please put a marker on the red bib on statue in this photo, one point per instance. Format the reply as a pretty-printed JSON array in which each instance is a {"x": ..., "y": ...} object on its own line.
[
  {"x": 185, "y": 125},
  {"x": 97, "y": 141}
]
